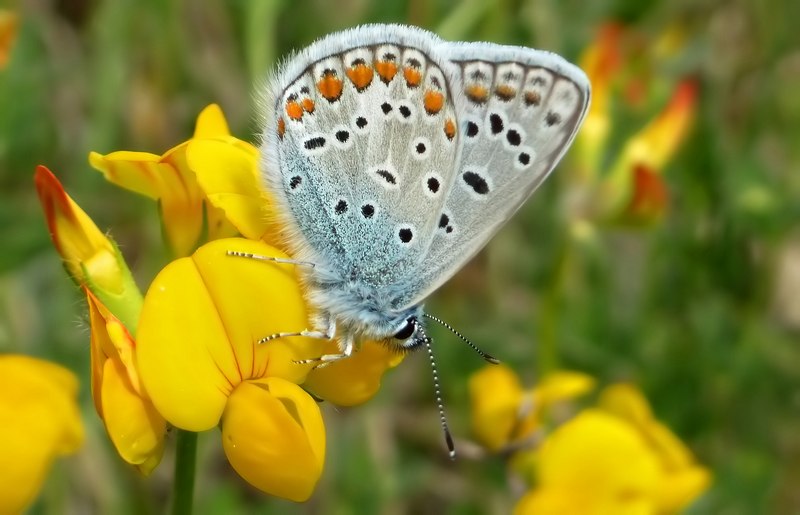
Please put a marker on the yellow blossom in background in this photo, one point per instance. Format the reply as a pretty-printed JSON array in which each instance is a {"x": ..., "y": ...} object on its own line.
[
  {"x": 681, "y": 479},
  {"x": 594, "y": 464},
  {"x": 90, "y": 257},
  {"x": 504, "y": 413},
  {"x": 8, "y": 35},
  {"x": 612, "y": 459},
  {"x": 171, "y": 181},
  {"x": 134, "y": 426},
  {"x": 39, "y": 422},
  {"x": 201, "y": 363}
]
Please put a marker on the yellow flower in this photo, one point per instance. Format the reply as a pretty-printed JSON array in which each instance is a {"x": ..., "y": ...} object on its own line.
[
  {"x": 613, "y": 459},
  {"x": 39, "y": 421},
  {"x": 188, "y": 186},
  {"x": 8, "y": 35},
  {"x": 201, "y": 364},
  {"x": 354, "y": 380},
  {"x": 682, "y": 480},
  {"x": 595, "y": 464},
  {"x": 503, "y": 413},
  {"x": 136, "y": 429},
  {"x": 91, "y": 258}
]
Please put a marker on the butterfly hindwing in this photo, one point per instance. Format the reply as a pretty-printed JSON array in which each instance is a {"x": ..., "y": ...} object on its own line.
[{"x": 519, "y": 112}]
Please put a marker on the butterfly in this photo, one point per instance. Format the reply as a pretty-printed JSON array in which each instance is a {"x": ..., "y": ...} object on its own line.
[{"x": 394, "y": 156}]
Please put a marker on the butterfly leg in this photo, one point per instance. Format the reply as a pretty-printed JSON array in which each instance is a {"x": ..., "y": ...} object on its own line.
[
  {"x": 261, "y": 257},
  {"x": 327, "y": 334},
  {"x": 327, "y": 359}
]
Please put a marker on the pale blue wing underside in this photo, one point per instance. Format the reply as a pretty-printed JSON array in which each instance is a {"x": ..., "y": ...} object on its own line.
[
  {"x": 521, "y": 110},
  {"x": 359, "y": 147},
  {"x": 397, "y": 181}
]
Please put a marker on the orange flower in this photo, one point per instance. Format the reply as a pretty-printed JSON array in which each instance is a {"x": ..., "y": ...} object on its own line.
[
  {"x": 91, "y": 258},
  {"x": 633, "y": 191},
  {"x": 601, "y": 61},
  {"x": 8, "y": 35}
]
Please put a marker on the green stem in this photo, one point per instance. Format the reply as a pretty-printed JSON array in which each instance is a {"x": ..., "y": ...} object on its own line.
[
  {"x": 547, "y": 358},
  {"x": 185, "y": 461}
]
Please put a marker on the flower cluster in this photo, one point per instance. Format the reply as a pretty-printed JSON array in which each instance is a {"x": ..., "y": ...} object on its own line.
[
  {"x": 614, "y": 457},
  {"x": 623, "y": 183},
  {"x": 186, "y": 354}
]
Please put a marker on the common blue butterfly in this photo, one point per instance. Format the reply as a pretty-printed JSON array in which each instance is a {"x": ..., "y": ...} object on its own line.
[{"x": 394, "y": 156}]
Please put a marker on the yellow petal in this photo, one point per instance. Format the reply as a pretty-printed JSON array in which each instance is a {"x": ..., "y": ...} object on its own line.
[
  {"x": 681, "y": 479},
  {"x": 200, "y": 324},
  {"x": 136, "y": 429},
  {"x": 495, "y": 397},
  {"x": 626, "y": 402},
  {"x": 274, "y": 437},
  {"x": 139, "y": 172},
  {"x": 554, "y": 388},
  {"x": 227, "y": 171},
  {"x": 562, "y": 385},
  {"x": 355, "y": 380},
  {"x": 211, "y": 123},
  {"x": 167, "y": 179},
  {"x": 567, "y": 502},
  {"x": 39, "y": 421},
  {"x": 600, "y": 455},
  {"x": 679, "y": 489}
]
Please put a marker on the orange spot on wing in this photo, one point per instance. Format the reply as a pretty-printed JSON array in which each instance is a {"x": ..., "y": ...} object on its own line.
[
  {"x": 533, "y": 98},
  {"x": 413, "y": 76},
  {"x": 308, "y": 105},
  {"x": 330, "y": 86},
  {"x": 281, "y": 128},
  {"x": 433, "y": 101},
  {"x": 477, "y": 93},
  {"x": 360, "y": 75},
  {"x": 450, "y": 128},
  {"x": 386, "y": 70},
  {"x": 294, "y": 110},
  {"x": 505, "y": 92}
]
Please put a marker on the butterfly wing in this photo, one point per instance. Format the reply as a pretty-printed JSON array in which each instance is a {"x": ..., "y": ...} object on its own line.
[
  {"x": 360, "y": 132},
  {"x": 520, "y": 110}
]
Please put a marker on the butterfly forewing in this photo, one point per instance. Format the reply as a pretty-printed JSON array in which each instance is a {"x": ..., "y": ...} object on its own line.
[
  {"x": 362, "y": 143},
  {"x": 519, "y": 112}
]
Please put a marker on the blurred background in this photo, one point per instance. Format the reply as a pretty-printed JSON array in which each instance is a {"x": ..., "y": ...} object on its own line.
[{"x": 665, "y": 250}]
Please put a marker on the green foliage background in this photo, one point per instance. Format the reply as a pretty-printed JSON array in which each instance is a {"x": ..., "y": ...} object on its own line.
[{"x": 702, "y": 311}]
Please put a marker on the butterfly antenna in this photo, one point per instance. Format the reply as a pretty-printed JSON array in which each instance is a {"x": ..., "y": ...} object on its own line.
[
  {"x": 487, "y": 357},
  {"x": 438, "y": 392}
]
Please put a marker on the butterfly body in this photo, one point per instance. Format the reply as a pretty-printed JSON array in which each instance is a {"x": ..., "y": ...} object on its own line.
[{"x": 394, "y": 156}]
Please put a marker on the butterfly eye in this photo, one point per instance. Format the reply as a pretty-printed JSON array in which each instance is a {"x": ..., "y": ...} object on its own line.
[{"x": 407, "y": 330}]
